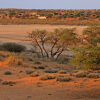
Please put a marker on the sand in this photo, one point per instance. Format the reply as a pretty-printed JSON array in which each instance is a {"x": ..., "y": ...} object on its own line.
[
  {"x": 32, "y": 88},
  {"x": 19, "y": 33}
]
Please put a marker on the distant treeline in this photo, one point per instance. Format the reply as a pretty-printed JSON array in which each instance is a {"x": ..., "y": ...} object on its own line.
[{"x": 51, "y": 16}]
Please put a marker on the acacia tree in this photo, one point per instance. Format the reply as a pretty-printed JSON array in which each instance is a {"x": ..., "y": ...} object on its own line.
[{"x": 53, "y": 44}]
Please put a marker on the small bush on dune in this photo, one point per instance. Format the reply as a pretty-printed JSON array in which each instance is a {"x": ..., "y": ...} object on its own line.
[
  {"x": 13, "y": 61},
  {"x": 37, "y": 62},
  {"x": 34, "y": 74},
  {"x": 8, "y": 73},
  {"x": 12, "y": 47},
  {"x": 81, "y": 74},
  {"x": 29, "y": 71},
  {"x": 62, "y": 72},
  {"x": 51, "y": 70},
  {"x": 39, "y": 67},
  {"x": 93, "y": 75},
  {"x": 62, "y": 78},
  {"x": 47, "y": 77},
  {"x": 10, "y": 83}
]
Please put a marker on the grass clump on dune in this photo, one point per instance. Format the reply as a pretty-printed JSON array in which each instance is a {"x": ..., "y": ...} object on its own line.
[
  {"x": 51, "y": 70},
  {"x": 39, "y": 67},
  {"x": 29, "y": 71},
  {"x": 34, "y": 74},
  {"x": 10, "y": 83},
  {"x": 93, "y": 75},
  {"x": 62, "y": 78},
  {"x": 13, "y": 61},
  {"x": 62, "y": 72},
  {"x": 47, "y": 77}
]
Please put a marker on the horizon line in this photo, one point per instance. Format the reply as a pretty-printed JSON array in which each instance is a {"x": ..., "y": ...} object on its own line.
[{"x": 53, "y": 8}]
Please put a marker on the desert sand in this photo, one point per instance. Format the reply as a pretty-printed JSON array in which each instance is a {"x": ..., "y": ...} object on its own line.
[
  {"x": 32, "y": 88},
  {"x": 19, "y": 33}
]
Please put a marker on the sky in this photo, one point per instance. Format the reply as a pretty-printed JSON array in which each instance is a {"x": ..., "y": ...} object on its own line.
[{"x": 51, "y": 4}]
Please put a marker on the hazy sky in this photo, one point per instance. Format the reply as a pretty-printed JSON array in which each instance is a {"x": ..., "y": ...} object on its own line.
[{"x": 51, "y": 4}]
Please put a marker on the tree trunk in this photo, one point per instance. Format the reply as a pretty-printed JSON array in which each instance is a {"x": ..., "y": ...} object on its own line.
[
  {"x": 53, "y": 48},
  {"x": 59, "y": 54},
  {"x": 45, "y": 51},
  {"x": 39, "y": 47}
]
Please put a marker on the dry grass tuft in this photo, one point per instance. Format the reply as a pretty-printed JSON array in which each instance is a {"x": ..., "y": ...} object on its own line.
[
  {"x": 10, "y": 83},
  {"x": 62, "y": 72},
  {"x": 93, "y": 75},
  {"x": 81, "y": 74},
  {"x": 34, "y": 74},
  {"x": 29, "y": 71},
  {"x": 13, "y": 61},
  {"x": 48, "y": 77},
  {"x": 62, "y": 78}
]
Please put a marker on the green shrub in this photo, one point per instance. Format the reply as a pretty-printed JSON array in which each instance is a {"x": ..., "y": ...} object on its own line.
[
  {"x": 87, "y": 59},
  {"x": 13, "y": 47},
  {"x": 8, "y": 73}
]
